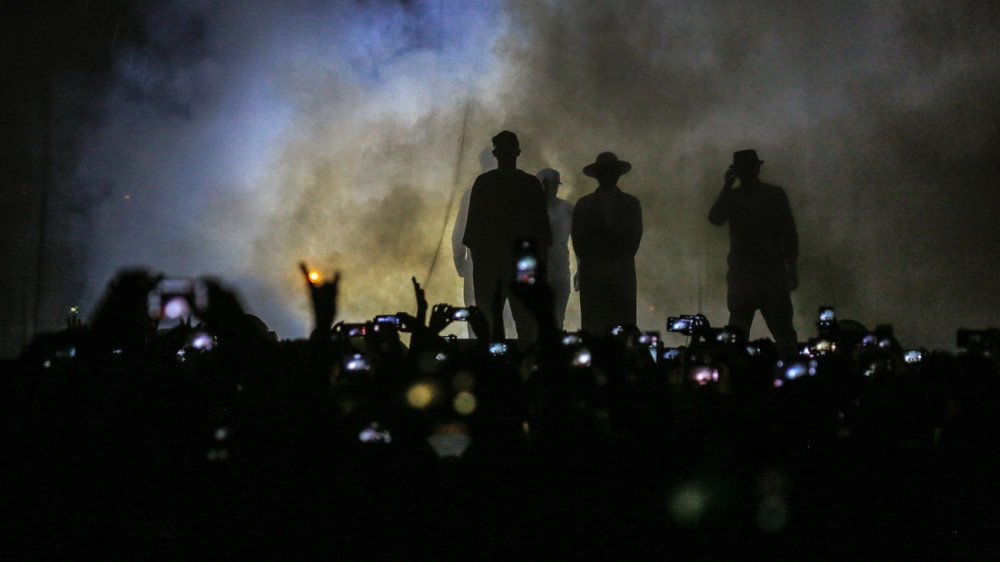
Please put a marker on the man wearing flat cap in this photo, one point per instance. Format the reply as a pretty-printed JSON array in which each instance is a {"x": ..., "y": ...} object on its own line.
[
  {"x": 763, "y": 250},
  {"x": 607, "y": 229},
  {"x": 505, "y": 205}
]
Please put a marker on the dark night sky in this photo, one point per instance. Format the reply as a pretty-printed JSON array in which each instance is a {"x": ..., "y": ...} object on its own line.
[{"x": 236, "y": 138}]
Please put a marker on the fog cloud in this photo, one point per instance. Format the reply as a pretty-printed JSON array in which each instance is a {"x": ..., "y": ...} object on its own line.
[{"x": 247, "y": 136}]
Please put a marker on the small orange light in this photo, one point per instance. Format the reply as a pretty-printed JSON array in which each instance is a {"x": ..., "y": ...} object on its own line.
[{"x": 315, "y": 277}]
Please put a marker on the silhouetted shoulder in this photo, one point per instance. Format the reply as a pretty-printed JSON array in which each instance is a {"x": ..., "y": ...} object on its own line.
[
  {"x": 583, "y": 202},
  {"x": 529, "y": 178},
  {"x": 485, "y": 177},
  {"x": 628, "y": 200},
  {"x": 773, "y": 189}
]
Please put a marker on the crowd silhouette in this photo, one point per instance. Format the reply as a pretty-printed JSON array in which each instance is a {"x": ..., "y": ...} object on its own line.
[{"x": 175, "y": 425}]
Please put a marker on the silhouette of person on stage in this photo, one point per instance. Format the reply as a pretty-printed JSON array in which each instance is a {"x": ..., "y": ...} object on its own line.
[
  {"x": 561, "y": 222},
  {"x": 763, "y": 250},
  {"x": 505, "y": 205},
  {"x": 460, "y": 252},
  {"x": 607, "y": 229}
]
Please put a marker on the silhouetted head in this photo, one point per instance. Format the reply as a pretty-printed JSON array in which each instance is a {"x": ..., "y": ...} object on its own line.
[
  {"x": 259, "y": 328},
  {"x": 506, "y": 148},
  {"x": 746, "y": 164},
  {"x": 607, "y": 168},
  {"x": 122, "y": 318},
  {"x": 550, "y": 182}
]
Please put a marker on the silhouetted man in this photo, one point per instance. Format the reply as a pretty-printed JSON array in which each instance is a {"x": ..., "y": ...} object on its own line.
[
  {"x": 460, "y": 252},
  {"x": 607, "y": 229},
  {"x": 506, "y": 204},
  {"x": 561, "y": 221},
  {"x": 763, "y": 250}
]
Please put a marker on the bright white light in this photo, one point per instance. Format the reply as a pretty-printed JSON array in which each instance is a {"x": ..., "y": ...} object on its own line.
[
  {"x": 526, "y": 270},
  {"x": 375, "y": 433},
  {"x": 571, "y": 339},
  {"x": 795, "y": 370},
  {"x": 176, "y": 308},
  {"x": 357, "y": 362},
  {"x": 203, "y": 341},
  {"x": 704, "y": 375}
]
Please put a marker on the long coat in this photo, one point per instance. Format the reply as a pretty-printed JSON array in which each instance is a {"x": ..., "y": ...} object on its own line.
[{"x": 607, "y": 229}]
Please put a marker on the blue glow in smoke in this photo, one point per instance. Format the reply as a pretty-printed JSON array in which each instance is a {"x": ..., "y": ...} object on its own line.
[
  {"x": 240, "y": 118},
  {"x": 199, "y": 124}
]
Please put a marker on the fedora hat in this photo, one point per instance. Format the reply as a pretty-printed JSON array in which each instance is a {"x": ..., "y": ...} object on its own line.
[
  {"x": 606, "y": 160},
  {"x": 746, "y": 158}
]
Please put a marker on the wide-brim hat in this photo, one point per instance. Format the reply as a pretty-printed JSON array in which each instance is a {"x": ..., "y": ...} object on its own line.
[
  {"x": 746, "y": 158},
  {"x": 606, "y": 160}
]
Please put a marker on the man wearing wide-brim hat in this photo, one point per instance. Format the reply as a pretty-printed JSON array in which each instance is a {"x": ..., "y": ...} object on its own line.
[
  {"x": 763, "y": 250},
  {"x": 607, "y": 229}
]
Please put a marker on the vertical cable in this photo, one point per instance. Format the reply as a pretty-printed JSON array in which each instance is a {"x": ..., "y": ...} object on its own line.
[{"x": 454, "y": 190}]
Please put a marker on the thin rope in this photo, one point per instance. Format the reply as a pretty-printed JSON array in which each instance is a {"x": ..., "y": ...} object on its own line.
[{"x": 454, "y": 191}]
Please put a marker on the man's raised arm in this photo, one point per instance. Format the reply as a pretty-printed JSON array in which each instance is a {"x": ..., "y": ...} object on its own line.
[{"x": 719, "y": 213}]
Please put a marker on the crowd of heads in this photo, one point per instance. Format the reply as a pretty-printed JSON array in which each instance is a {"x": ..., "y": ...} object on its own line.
[{"x": 383, "y": 438}]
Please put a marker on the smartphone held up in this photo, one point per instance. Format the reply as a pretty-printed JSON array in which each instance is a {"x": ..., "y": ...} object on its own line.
[
  {"x": 177, "y": 299},
  {"x": 526, "y": 265}
]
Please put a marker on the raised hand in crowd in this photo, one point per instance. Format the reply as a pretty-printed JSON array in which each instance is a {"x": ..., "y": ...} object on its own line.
[
  {"x": 421, "y": 301},
  {"x": 418, "y": 322},
  {"x": 224, "y": 315},
  {"x": 442, "y": 315},
  {"x": 539, "y": 299},
  {"x": 73, "y": 322},
  {"x": 422, "y": 336},
  {"x": 122, "y": 318},
  {"x": 324, "y": 303}
]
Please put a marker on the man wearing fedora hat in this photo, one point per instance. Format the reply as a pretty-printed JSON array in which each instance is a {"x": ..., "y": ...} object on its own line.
[
  {"x": 607, "y": 229},
  {"x": 763, "y": 250}
]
